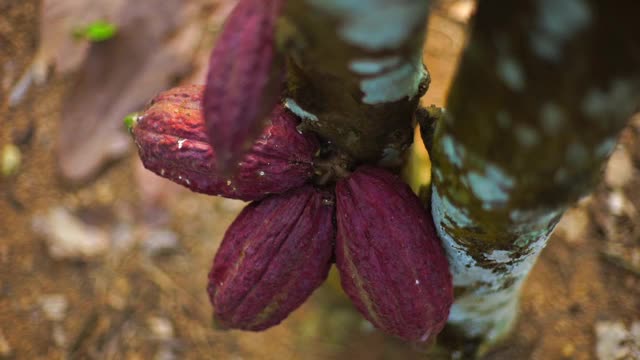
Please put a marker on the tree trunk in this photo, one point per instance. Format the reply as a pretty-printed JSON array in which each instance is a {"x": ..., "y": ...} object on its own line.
[
  {"x": 356, "y": 72},
  {"x": 543, "y": 89}
]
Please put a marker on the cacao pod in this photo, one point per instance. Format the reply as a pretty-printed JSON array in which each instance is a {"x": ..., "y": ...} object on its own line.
[
  {"x": 172, "y": 142},
  {"x": 244, "y": 79},
  {"x": 390, "y": 259},
  {"x": 273, "y": 256}
]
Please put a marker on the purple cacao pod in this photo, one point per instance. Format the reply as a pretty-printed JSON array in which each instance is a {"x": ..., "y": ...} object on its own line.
[
  {"x": 390, "y": 259},
  {"x": 172, "y": 142},
  {"x": 273, "y": 256},
  {"x": 245, "y": 79}
]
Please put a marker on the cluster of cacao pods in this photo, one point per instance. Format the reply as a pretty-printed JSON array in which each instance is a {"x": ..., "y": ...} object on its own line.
[{"x": 281, "y": 246}]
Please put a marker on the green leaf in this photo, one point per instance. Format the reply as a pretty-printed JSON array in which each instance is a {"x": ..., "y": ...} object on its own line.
[
  {"x": 131, "y": 120},
  {"x": 97, "y": 31}
]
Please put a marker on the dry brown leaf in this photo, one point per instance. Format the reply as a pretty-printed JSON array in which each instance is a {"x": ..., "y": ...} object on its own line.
[
  {"x": 619, "y": 169},
  {"x": 154, "y": 46},
  {"x": 58, "y": 48},
  {"x": 59, "y": 19}
]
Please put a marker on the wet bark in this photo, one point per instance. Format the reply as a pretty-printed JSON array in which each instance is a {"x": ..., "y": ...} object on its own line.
[
  {"x": 356, "y": 73},
  {"x": 542, "y": 92}
]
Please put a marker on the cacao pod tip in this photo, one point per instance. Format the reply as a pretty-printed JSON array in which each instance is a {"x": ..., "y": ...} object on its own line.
[
  {"x": 244, "y": 80},
  {"x": 131, "y": 120}
]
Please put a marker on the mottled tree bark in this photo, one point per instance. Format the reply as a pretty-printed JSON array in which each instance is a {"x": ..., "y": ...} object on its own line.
[
  {"x": 543, "y": 89},
  {"x": 356, "y": 72}
]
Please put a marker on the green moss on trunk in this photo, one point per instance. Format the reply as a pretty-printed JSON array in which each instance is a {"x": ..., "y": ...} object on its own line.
[{"x": 543, "y": 89}]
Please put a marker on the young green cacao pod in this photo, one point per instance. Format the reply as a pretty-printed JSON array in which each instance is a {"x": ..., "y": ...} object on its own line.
[
  {"x": 244, "y": 80},
  {"x": 391, "y": 263},
  {"x": 172, "y": 142},
  {"x": 273, "y": 256}
]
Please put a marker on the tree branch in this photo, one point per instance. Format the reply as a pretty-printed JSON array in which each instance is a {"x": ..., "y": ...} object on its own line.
[{"x": 356, "y": 72}]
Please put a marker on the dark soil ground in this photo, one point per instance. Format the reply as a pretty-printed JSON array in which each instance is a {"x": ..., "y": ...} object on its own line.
[{"x": 140, "y": 300}]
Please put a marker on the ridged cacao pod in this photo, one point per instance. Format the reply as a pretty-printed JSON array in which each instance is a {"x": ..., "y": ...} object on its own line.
[
  {"x": 273, "y": 256},
  {"x": 172, "y": 142},
  {"x": 390, "y": 259},
  {"x": 244, "y": 81}
]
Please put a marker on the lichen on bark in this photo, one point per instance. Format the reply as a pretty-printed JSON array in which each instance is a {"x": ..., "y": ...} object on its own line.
[
  {"x": 532, "y": 115},
  {"x": 354, "y": 81}
]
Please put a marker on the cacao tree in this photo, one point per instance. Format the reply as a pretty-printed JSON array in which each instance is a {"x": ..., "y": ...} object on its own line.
[{"x": 541, "y": 93}]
